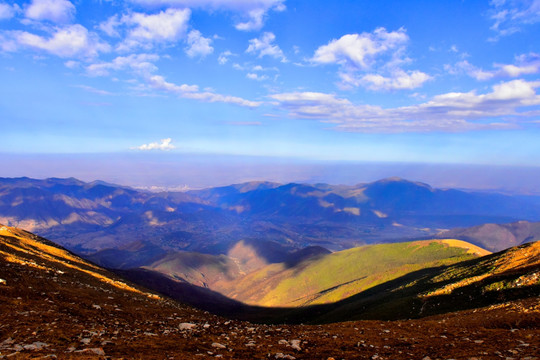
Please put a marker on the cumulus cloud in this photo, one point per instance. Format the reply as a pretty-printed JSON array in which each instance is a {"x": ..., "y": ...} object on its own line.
[
  {"x": 146, "y": 30},
  {"x": 525, "y": 64},
  {"x": 198, "y": 45},
  {"x": 509, "y": 16},
  {"x": 192, "y": 92},
  {"x": 69, "y": 41},
  {"x": 224, "y": 57},
  {"x": 372, "y": 60},
  {"x": 163, "y": 144},
  {"x": 110, "y": 26},
  {"x": 7, "y": 11},
  {"x": 141, "y": 64},
  {"x": 257, "y": 77},
  {"x": 253, "y": 12},
  {"x": 503, "y": 107},
  {"x": 398, "y": 80},
  {"x": 264, "y": 46},
  {"x": 360, "y": 50},
  {"x": 59, "y": 11}
]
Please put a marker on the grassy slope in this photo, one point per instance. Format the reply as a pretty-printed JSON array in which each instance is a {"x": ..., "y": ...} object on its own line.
[
  {"x": 343, "y": 274},
  {"x": 504, "y": 276}
]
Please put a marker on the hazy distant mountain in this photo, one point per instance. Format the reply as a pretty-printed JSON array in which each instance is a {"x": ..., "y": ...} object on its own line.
[
  {"x": 89, "y": 217},
  {"x": 496, "y": 237}
]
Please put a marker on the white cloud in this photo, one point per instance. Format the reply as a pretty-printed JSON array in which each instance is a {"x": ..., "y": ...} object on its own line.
[
  {"x": 264, "y": 46},
  {"x": 70, "y": 64},
  {"x": 70, "y": 41},
  {"x": 224, "y": 57},
  {"x": 110, "y": 26},
  {"x": 7, "y": 11},
  {"x": 163, "y": 144},
  {"x": 255, "y": 21},
  {"x": 59, "y": 11},
  {"x": 398, "y": 80},
  {"x": 360, "y": 50},
  {"x": 159, "y": 82},
  {"x": 509, "y": 16},
  {"x": 465, "y": 67},
  {"x": 164, "y": 27},
  {"x": 504, "y": 107},
  {"x": 256, "y": 77},
  {"x": 525, "y": 64},
  {"x": 198, "y": 45},
  {"x": 141, "y": 64},
  {"x": 192, "y": 92},
  {"x": 252, "y": 11},
  {"x": 373, "y": 60},
  {"x": 93, "y": 90}
]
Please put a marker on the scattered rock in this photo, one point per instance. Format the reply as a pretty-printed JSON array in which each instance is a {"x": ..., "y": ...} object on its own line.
[
  {"x": 96, "y": 351},
  {"x": 284, "y": 356},
  {"x": 218, "y": 345},
  {"x": 38, "y": 345},
  {"x": 186, "y": 326},
  {"x": 295, "y": 344}
]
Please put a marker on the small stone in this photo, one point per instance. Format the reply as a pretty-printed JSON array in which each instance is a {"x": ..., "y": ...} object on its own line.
[
  {"x": 206, "y": 326},
  {"x": 283, "y": 342},
  {"x": 86, "y": 341},
  {"x": 295, "y": 344},
  {"x": 97, "y": 307},
  {"x": 186, "y": 326},
  {"x": 218, "y": 345}
]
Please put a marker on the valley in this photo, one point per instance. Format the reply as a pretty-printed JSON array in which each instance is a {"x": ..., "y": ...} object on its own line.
[{"x": 57, "y": 305}]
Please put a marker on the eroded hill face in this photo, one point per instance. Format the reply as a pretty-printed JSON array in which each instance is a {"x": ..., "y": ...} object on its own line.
[{"x": 55, "y": 304}]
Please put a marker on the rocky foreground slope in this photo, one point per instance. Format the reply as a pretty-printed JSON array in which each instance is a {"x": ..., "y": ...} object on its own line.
[{"x": 56, "y": 305}]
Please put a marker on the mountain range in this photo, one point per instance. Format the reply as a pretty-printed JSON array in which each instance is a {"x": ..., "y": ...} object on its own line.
[{"x": 279, "y": 218}]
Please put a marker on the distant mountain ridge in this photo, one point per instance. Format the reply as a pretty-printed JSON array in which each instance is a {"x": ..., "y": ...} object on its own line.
[
  {"x": 496, "y": 236},
  {"x": 89, "y": 217}
]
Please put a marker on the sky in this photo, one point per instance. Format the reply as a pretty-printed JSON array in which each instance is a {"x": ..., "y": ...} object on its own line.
[{"x": 424, "y": 82}]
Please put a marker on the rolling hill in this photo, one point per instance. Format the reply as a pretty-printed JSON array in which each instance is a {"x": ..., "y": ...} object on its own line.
[
  {"x": 309, "y": 276},
  {"x": 333, "y": 277},
  {"x": 57, "y": 305}
]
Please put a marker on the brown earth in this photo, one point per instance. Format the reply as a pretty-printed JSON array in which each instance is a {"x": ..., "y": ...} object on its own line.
[{"x": 55, "y": 305}]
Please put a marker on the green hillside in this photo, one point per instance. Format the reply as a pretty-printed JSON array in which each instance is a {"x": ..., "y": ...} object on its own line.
[{"x": 342, "y": 274}]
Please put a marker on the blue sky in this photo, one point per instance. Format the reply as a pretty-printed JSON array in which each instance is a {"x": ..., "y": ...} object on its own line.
[{"x": 399, "y": 81}]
